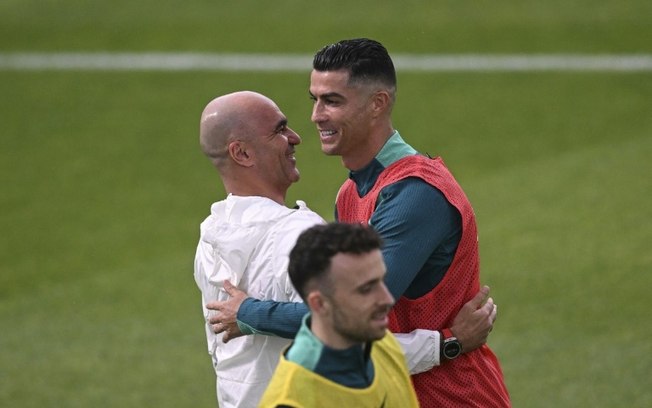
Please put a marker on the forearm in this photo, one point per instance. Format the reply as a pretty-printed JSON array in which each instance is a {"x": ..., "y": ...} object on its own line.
[
  {"x": 421, "y": 349},
  {"x": 268, "y": 317}
]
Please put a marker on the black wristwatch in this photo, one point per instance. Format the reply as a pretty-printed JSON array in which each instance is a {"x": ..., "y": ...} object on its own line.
[{"x": 450, "y": 346}]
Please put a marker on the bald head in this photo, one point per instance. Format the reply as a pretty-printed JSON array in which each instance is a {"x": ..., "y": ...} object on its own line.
[
  {"x": 247, "y": 138},
  {"x": 227, "y": 118}
]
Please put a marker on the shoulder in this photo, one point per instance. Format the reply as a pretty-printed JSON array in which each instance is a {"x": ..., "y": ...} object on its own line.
[
  {"x": 282, "y": 234},
  {"x": 414, "y": 203},
  {"x": 412, "y": 196},
  {"x": 301, "y": 212},
  {"x": 413, "y": 189},
  {"x": 297, "y": 220}
]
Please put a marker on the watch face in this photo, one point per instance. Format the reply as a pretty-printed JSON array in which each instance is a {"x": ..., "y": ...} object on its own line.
[{"x": 452, "y": 349}]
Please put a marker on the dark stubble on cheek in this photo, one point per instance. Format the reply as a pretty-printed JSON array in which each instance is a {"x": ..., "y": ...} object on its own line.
[{"x": 347, "y": 329}]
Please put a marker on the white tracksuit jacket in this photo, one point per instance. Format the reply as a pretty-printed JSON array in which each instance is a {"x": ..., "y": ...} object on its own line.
[{"x": 247, "y": 240}]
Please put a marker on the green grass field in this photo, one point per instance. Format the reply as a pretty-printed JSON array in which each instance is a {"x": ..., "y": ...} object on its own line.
[{"x": 103, "y": 188}]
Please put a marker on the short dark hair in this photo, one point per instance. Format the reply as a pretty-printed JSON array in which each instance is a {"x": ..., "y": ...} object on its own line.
[
  {"x": 310, "y": 259},
  {"x": 366, "y": 60}
]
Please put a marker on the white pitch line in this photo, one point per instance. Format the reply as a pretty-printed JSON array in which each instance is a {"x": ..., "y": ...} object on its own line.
[{"x": 151, "y": 61}]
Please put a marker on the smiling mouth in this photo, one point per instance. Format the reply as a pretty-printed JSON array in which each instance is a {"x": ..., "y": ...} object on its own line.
[{"x": 380, "y": 316}]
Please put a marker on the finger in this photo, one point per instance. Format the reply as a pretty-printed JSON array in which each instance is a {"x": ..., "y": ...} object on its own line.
[
  {"x": 477, "y": 300},
  {"x": 485, "y": 293},
  {"x": 214, "y": 319},
  {"x": 229, "y": 287},
  {"x": 494, "y": 314},
  {"x": 489, "y": 305},
  {"x": 213, "y": 305}
]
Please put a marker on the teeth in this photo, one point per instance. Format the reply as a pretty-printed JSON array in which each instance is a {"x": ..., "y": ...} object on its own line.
[{"x": 327, "y": 132}]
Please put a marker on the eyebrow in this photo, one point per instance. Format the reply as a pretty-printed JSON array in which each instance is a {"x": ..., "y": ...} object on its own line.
[
  {"x": 372, "y": 281},
  {"x": 327, "y": 95}
]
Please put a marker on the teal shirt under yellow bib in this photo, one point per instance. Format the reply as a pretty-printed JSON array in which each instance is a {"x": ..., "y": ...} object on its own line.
[{"x": 293, "y": 385}]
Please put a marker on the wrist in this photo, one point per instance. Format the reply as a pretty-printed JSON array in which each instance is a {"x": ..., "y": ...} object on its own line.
[{"x": 450, "y": 346}]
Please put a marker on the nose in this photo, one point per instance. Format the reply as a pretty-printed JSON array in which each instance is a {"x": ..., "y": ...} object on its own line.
[
  {"x": 317, "y": 113},
  {"x": 385, "y": 296},
  {"x": 293, "y": 137}
]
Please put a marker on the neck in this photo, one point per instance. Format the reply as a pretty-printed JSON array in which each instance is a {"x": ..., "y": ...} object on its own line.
[
  {"x": 245, "y": 189},
  {"x": 375, "y": 143}
]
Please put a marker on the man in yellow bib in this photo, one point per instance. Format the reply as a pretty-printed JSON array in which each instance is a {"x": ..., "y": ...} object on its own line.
[{"x": 343, "y": 354}]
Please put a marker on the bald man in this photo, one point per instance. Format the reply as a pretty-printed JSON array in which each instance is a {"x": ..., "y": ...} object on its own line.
[{"x": 248, "y": 236}]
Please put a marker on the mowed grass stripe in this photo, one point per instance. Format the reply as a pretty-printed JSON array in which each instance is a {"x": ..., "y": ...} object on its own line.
[{"x": 301, "y": 63}]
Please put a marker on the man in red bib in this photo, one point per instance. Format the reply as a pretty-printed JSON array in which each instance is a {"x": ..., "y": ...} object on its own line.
[{"x": 417, "y": 207}]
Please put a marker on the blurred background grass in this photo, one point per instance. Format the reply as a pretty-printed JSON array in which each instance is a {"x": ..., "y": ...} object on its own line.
[{"x": 103, "y": 187}]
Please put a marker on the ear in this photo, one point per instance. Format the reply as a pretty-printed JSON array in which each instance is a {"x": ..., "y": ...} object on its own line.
[
  {"x": 317, "y": 302},
  {"x": 240, "y": 153},
  {"x": 380, "y": 102}
]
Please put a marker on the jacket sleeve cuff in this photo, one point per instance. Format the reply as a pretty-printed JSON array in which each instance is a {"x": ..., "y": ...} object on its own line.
[{"x": 421, "y": 348}]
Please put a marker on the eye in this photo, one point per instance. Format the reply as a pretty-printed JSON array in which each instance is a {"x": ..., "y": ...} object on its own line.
[
  {"x": 332, "y": 102},
  {"x": 364, "y": 289}
]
